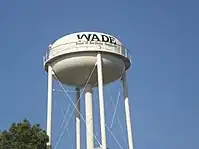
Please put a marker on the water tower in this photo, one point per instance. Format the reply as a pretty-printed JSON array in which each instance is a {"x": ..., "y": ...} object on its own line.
[{"x": 71, "y": 59}]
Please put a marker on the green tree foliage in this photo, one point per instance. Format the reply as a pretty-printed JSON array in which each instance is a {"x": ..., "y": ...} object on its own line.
[{"x": 24, "y": 136}]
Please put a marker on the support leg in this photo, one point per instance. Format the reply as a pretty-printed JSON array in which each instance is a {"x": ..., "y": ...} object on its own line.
[
  {"x": 127, "y": 111},
  {"x": 49, "y": 112},
  {"x": 101, "y": 100},
  {"x": 78, "y": 134},
  {"x": 89, "y": 117}
]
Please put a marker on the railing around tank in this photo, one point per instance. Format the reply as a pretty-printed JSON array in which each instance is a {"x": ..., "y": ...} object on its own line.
[{"x": 75, "y": 46}]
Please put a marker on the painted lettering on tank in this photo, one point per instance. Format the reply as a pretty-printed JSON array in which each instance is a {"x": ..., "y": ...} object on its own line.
[{"x": 97, "y": 37}]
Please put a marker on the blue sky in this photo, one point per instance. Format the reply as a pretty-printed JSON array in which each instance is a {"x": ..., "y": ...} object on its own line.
[{"x": 162, "y": 36}]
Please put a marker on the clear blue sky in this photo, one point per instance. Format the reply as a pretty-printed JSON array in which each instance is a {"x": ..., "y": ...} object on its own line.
[{"x": 163, "y": 38}]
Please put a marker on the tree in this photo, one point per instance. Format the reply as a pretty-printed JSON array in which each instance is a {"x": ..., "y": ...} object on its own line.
[{"x": 24, "y": 136}]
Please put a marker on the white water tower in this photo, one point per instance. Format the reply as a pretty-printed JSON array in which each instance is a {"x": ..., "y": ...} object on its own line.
[{"x": 71, "y": 59}]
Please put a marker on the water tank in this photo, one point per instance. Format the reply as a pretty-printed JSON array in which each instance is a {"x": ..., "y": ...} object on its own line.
[{"x": 74, "y": 56}]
